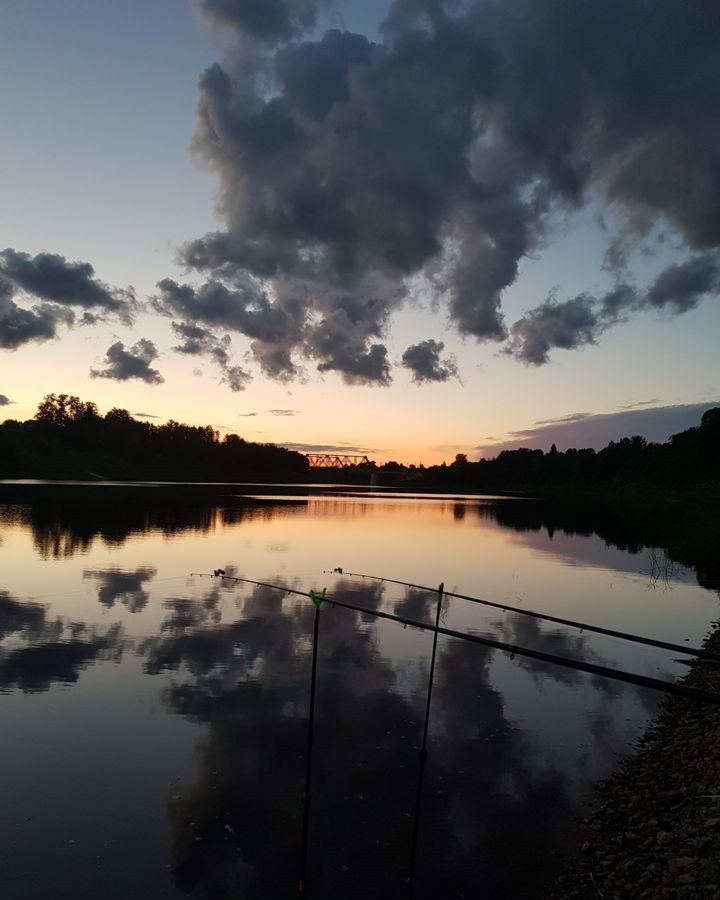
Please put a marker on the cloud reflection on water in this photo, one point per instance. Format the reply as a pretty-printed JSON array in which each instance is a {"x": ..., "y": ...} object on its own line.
[
  {"x": 236, "y": 827},
  {"x": 47, "y": 651},
  {"x": 127, "y": 587}
]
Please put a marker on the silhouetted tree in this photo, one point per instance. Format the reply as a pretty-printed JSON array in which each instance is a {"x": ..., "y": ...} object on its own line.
[{"x": 63, "y": 410}]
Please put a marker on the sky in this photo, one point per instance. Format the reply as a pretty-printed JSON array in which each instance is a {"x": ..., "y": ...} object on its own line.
[{"x": 410, "y": 228}]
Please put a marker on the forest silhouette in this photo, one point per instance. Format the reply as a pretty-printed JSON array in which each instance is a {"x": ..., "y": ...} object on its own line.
[{"x": 68, "y": 438}]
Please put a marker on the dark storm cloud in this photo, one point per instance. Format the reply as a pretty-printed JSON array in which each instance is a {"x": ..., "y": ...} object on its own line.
[
  {"x": 681, "y": 287},
  {"x": 566, "y": 325},
  {"x": 580, "y": 321},
  {"x": 596, "y": 431},
  {"x": 198, "y": 341},
  {"x": 54, "y": 286},
  {"x": 122, "y": 364},
  {"x": 20, "y": 326},
  {"x": 266, "y": 20},
  {"x": 424, "y": 362},
  {"x": 54, "y": 279},
  {"x": 127, "y": 587},
  {"x": 5, "y": 401},
  {"x": 244, "y": 308},
  {"x": 445, "y": 151}
]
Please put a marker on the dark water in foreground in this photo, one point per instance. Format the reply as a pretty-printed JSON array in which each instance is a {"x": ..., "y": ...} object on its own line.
[{"x": 154, "y": 722}]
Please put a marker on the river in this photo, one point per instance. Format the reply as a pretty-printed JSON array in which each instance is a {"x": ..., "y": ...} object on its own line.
[{"x": 154, "y": 717}]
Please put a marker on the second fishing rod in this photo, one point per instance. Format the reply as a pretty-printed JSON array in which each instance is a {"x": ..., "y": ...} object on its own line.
[{"x": 545, "y": 617}]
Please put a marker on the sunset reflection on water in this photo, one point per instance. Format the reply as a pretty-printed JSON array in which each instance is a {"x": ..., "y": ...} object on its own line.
[{"x": 159, "y": 717}]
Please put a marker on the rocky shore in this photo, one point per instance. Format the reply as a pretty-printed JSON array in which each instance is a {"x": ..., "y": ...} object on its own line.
[{"x": 655, "y": 831}]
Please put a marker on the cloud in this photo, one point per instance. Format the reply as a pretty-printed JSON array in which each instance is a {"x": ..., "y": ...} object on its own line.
[
  {"x": 142, "y": 415},
  {"x": 122, "y": 364},
  {"x": 20, "y": 326},
  {"x": 5, "y": 401},
  {"x": 581, "y": 320},
  {"x": 681, "y": 287},
  {"x": 56, "y": 285},
  {"x": 54, "y": 279},
  {"x": 638, "y": 403},
  {"x": 597, "y": 430},
  {"x": 571, "y": 417},
  {"x": 445, "y": 151},
  {"x": 198, "y": 341},
  {"x": 424, "y": 362},
  {"x": 328, "y": 448},
  {"x": 283, "y": 413},
  {"x": 244, "y": 308},
  {"x": 568, "y": 325},
  {"x": 266, "y": 20}
]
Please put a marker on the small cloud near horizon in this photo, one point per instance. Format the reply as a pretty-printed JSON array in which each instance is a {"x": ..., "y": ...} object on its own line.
[
  {"x": 596, "y": 430},
  {"x": 141, "y": 415},
  {"x": 638, "y": 404},
  {"x": 327, "y": 448},
  {"x": 573, "y": 417},
  {"x": 5, "y": 401},
  {"x": 271, "y": 412}
]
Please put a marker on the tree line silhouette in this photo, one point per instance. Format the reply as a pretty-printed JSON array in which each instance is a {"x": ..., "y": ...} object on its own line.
[
  {"x": 690, "y": 457},
  {"x": 68, "y": 438}
]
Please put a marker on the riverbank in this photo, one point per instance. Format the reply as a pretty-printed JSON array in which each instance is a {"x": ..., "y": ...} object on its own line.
[{"x": 655, "y": 831}]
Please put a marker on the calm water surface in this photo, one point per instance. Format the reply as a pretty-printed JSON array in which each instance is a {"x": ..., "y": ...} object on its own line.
[{"x": 154, "y": 721}]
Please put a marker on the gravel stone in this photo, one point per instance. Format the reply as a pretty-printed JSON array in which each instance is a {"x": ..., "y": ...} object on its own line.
[{"x": 656, "y": 832}]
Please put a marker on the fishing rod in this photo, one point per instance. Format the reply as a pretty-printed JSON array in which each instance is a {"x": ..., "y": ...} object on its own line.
[
  {"x": 566, "y": 662},
  {"x": 546, "y": 617},
  {"x": 302, "y": 881},
  {"x": 423, "y": 753}
]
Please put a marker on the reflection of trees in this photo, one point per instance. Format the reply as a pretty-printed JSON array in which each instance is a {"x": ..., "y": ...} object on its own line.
[
  {"x": 42, "y": 651},
  {"x": 236, "y": 829},
  {"x": 66, "y": 520},
  {"x": 686, "y": 537}
]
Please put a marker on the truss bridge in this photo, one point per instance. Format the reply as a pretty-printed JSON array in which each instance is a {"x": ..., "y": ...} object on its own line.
[{"x": 336, "y": 460}]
